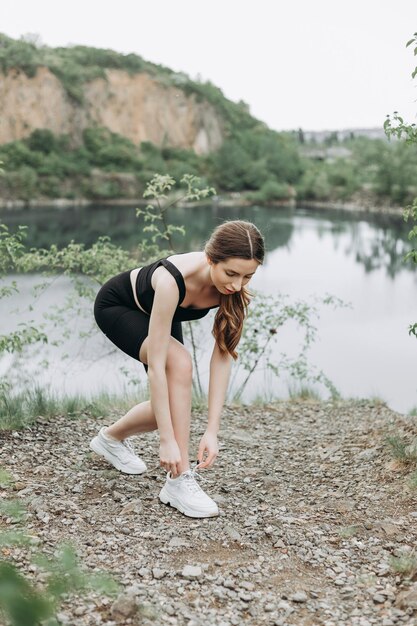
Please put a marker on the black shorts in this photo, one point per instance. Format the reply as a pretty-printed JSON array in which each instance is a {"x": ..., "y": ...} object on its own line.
[{"x": 120, "y": 319}]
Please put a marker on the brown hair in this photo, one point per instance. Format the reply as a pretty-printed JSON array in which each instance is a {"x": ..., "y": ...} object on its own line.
[{"x": 239, "y": 239}]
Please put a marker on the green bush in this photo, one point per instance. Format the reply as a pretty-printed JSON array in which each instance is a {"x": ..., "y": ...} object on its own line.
[
  {"x": 314, "y": 185},
  {"x": 50, "y": 186},
  {"x": 256, "y": 175},
  {"x": 22, "y": 183},
  {"x": 153, "y": 160},
  {"x": 19, "y": 55},
  {"x": 42, "y": 140},
  {"x": 17, "y": 154},
  {"x": 250, "y": 159},
  {"x": 272, "y": 190},
  {"x": 231, "y": 164},
  {"x": 102, "y": 189}
]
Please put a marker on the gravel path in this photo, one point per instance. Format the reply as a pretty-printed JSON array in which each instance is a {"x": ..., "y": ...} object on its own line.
[{"x": 313, "y": 508}]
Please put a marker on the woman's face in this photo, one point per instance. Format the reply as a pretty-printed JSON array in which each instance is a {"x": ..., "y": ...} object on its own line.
[{"x": 232, "y": 274}]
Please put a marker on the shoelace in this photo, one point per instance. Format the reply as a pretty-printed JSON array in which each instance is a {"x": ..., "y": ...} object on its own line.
[
  {"x": 191, "y": 478},
  {"x": 129, "y": 446}
]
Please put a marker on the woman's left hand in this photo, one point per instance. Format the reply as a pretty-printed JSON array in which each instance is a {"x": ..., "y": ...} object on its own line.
[{"x": 208, "y": 444}]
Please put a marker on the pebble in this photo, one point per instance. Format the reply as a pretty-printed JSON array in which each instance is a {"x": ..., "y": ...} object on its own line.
[
  {"x": 134, "y": 506},
  {"x": 233, "y": 533},
  {"x": 124, "y": 606},
  {"x": 158, "y": 573},
  {"x": 191, "y": 572},
  {"x": 377, "y": 597},
  {"x": 299, "y": 596}
]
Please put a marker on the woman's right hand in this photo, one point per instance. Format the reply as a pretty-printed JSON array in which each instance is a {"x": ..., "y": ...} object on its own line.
[{"x": 170, "y": 456}]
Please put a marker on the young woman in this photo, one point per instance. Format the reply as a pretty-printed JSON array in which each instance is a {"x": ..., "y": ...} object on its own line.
[{"x": 141, "y": 312}]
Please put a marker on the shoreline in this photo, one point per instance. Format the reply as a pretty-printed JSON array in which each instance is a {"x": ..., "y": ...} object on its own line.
[{"x": 231, "y": 200}]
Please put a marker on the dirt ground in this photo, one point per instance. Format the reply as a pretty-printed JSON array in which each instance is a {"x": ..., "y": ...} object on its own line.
[{"x": 316, "y": 517}]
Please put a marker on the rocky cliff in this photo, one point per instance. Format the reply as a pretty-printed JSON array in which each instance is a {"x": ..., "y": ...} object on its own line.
[{"x": 136, "y": 106}]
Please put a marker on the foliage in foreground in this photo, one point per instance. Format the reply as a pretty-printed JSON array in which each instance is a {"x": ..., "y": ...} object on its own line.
[
  {"x": 398, "y": 128},
  {"x": 23, "y": 603}
]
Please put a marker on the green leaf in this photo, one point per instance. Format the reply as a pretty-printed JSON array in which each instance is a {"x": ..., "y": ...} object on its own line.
[{"x": 21, "y": 603}]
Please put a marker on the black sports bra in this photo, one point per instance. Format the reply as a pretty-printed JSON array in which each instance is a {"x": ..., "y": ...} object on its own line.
[{"x": 145, "y": 292}]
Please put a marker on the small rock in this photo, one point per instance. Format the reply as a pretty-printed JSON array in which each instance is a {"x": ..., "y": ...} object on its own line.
[
  {"x": 191, "y": 572},
  {"x": 233, "y": 533},
  {"x": 407, "y": 599},
  {"x": 169, "y": 609},
  {"x": 158, "y": 573},
  {"x": 177, "y": 542},
  {"x": 19, "y": 486},
  {"x": 144, "y": 571},
  {"x": 299, "y": 596},
  {"x": 134, "y": 506},
  {"x": 245, "y": 596},
  {"x": 229, "y": 583},
  {"x": 124, "y": 606},
  {"x": 379, "y": 598},
  {"x": 79, "y": 610},
  {"x": 246, "y": 584},
  {"x": 389, "y": 529},
  {"x": 368, "y": 454}
]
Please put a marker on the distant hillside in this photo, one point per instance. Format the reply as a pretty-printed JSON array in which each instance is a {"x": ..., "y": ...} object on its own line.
[
  {"x": 67, "y": 90},
  {"x": 81, "y": 123}
]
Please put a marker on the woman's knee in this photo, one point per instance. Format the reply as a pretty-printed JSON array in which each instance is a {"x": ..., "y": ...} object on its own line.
[{"x": 179, "y": 363}]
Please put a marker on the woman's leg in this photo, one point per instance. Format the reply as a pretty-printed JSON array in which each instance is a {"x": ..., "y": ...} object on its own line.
[{"x": 141, "y": 417}]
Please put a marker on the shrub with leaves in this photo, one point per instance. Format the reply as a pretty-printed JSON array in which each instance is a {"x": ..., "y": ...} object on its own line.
[
  {"x": 21, "y": 601},
  {"x": 266, "y": 316},
  {"x": 399, "y": 128}
]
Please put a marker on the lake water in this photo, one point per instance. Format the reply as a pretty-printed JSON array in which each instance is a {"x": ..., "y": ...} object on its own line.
[{"x": 365, "y": 350}]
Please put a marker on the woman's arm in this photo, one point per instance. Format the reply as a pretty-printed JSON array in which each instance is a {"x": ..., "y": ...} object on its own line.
[
  {"x": 220, "y": 368},
  {"x": 164, "y": 304}
]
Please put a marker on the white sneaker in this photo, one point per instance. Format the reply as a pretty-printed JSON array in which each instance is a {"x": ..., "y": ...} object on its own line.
[
  {"x": 119, "y": 453},
  {"x": 186, "y": 495}
]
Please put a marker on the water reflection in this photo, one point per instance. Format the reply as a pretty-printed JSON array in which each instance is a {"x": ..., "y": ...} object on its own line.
[{"x": 375, "y": 241}]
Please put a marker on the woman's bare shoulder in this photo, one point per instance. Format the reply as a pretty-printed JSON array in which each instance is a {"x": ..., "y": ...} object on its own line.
[{"x": 188, "y": 263}]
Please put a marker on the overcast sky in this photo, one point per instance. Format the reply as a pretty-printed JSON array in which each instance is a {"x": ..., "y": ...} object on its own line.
[{"x": 314, "y": 64}]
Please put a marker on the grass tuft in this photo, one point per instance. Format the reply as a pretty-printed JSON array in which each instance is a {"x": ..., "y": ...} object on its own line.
[
  {"x": 402, "y": 449},
  {"x": 346, "y": 532},
  {"x": 303, "y": 392},
  {"x": 405, "y": 564},
  {"x": 20, "y": 409}
]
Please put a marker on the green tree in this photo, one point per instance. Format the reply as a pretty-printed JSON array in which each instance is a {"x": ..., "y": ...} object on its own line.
[
  {"x": 42, "y": 140},
  {"x": 397, "y": 127}
]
